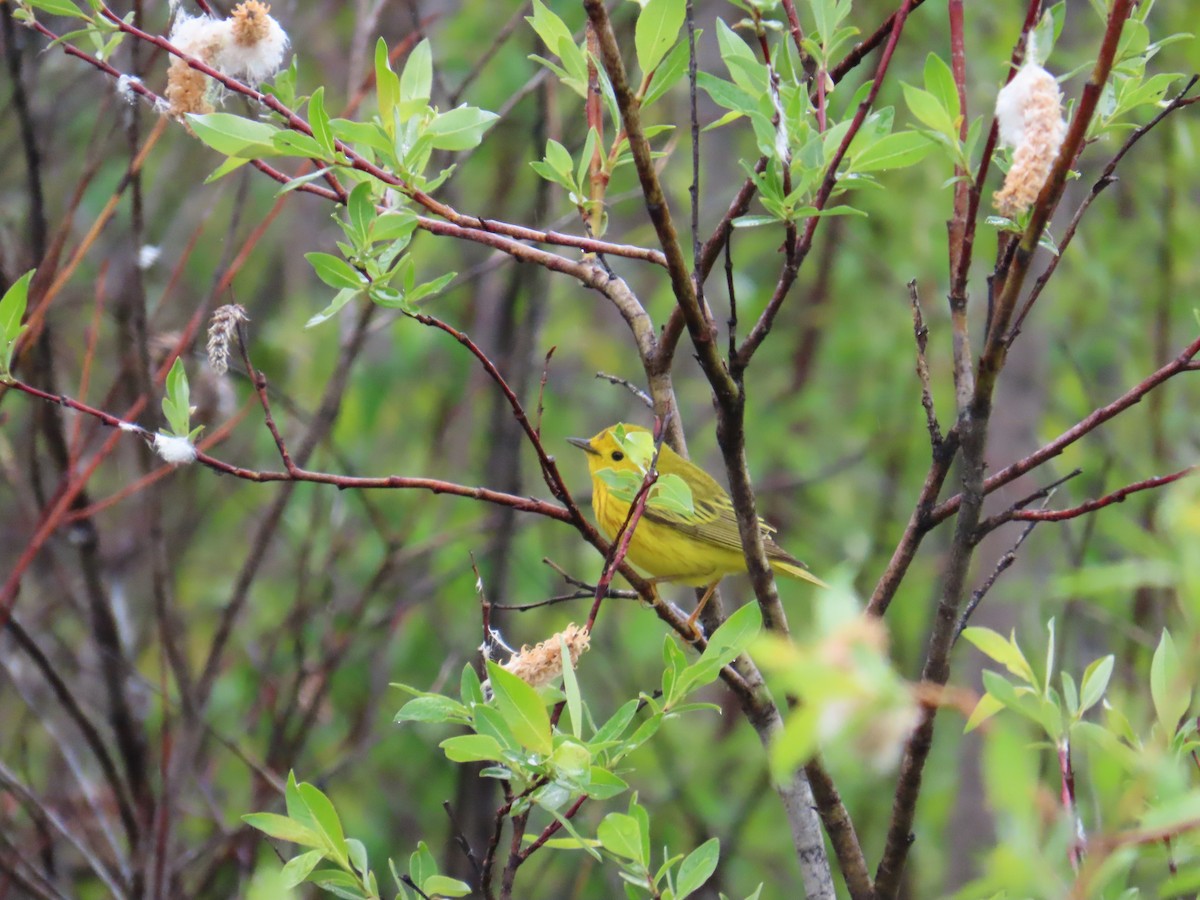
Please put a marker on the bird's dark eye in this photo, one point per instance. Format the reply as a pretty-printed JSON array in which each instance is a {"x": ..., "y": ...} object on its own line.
[{"x": 617, "y": 456}]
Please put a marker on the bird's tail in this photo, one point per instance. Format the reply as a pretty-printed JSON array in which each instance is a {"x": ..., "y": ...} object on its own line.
[{"x": 797, "y": 570}]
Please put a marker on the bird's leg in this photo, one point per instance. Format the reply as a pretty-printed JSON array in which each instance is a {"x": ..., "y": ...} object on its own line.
[{"x": 700, "y": 608}]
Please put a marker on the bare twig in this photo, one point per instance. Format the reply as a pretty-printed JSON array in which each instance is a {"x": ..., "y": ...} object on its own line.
[{"x": 645, "y": 398}]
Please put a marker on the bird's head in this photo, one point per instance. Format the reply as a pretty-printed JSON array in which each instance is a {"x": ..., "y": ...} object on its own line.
[{"x": 604, "y": 451}]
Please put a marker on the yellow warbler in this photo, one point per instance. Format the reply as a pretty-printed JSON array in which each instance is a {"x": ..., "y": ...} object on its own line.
[{"x": 697, "y": 546}]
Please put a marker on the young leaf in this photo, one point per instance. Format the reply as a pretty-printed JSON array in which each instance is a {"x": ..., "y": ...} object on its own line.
[
  {"x": 416, "y": 81},
  {"x": 571, "y": 689},
  {"x": 318, "y": 121},
  {"x": 697, "y": 868},
  {"x": 939, "y": 81},
  {"x": 471, "y": 748},
  {"x": 657, "y": 29},
  {"x": 444, "y": 886},
  {"x": 522, "y": 709},
  {"x": 621, "y": 836},
  {"x": 987, "y": 707},
  {"x": 1095, "y": 682},
  {"x": 283, "y": 828},
  {"x": 896, "y": 151},
  {"x": 1171, "y": 697},
  {"x": 326, "y": 818},
  {"x": 12, "y": 311},
  {"x": 387, "y": 86},
  {"x": 176, "y": 404},
  {"x": 432, "y": 709},
  {"x": 234, "y": 135},
  {"x": 296, "y": 869},
  {"x": 1005, "y": 652},
  {"x": 459, "y": 129},
  {"x": 335, "y": 271}
]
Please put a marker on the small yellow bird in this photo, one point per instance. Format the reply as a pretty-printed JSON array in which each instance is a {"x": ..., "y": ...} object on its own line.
[{"x": 696, "y": 548}]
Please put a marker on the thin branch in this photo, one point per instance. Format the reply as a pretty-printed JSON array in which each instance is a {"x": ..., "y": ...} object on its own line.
[
  {"x": 1118, "y": 496},
  {"x": 645, "y": 398},
  {"x": 1181, "y": 363},
  {"x": 763, "y": 326}
]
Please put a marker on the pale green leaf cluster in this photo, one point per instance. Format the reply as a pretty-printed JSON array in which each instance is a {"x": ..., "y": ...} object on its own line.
[
  {"x": 312, "y": 822},
  {"x": 778, "y": 106},
  {"x": 400, "y": 140},
  {"x": 662, "y": 60},
  {"x": 177, "y": 405},
  {"x": 851, "y": 702},
  {"x": 549, "y": 766},
  {"x": 99, "y": 32}
]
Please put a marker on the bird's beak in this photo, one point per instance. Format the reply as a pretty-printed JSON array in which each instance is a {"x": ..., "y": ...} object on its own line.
[{"x": 584, "y": 444}]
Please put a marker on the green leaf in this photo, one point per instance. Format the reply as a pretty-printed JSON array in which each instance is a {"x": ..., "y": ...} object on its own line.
[
  {"x": 12, "y": 311},
  {"x": 361, "y": 208},
  {"x": 471, "y": 748},
  {"x": 444, "y": 886},
  {"x": 604, "y": 785},
  {"x": 432, "y": 709},
  {"x": 1171, "y": 696},
  {"x": 697, "y": 868},
  {"x": 896, "y": 151},
  {"x": 235, "y": 135},
  {"x": 549, "y": 27},
  {"x": 460, "y": 129},
  {"x": 987, "y": 707},
  {"x": 326, "y": 818},
  {"x": 642, "y": 817},
  {"x": 59, "y": 8},
  {"x": 928, "y": 109},
  {"x": 571, "y": 689},
  {"x": 340, "y": 299},
  {"x": 488, "y": 721},
  {"x": 617, "y": 723},
  {"x": 416, "y": 81},
  {"x": 657, "y": 29},
  {"x": 621, "y": 836},
  {"x": 726, "y": 94},
  {"x": 358, "y": 856},
  {"x": 470, "y": 690},
  {"x": 669, "y": 71},
  {"x": 939, "y": 81},
  {"x": 1095, "y": 682},
  {"x": 397, "y": 225},
  {"x": 318, "y": 121},
  {"x": 297, "y": 809},
  {"x": 176, "y": 404},
  {"x": 559, "y": 159},
  {"x": 387, "y": 86},
  {"x": 283, "y": 828},
  {"x": 296, "y": 869},
  {"x": 522, "y": 709},
  {"x": 734, "y": 636},
  {"x": 427, "y": 289},
  {"x": 335, "y": 271},
  {"x": 338, "y": 883},
  {"x": 232, "y": 164},
  {"x": 1005, "y": 652},
  {"x": 421, "y": 864}
]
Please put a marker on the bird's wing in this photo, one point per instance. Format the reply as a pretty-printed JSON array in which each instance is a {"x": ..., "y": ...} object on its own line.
[{"x": 713, "y": 522}]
